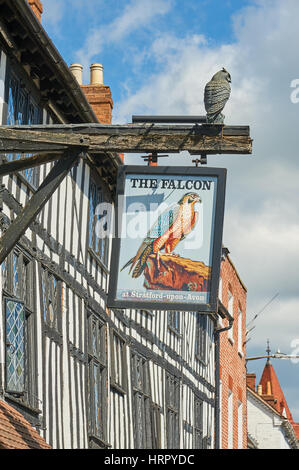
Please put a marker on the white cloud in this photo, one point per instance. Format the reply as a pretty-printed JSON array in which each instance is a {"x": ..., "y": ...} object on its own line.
[
  {"x": 136, "y": 14},
  {"x": 261, "y": 223},
  {"x": 53, "y": 12}
]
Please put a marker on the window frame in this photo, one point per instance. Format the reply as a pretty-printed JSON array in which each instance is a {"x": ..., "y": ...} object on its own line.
[
  {"x": 240, "y": 331},
  {"x": 97, "y": 360},
  {"x": 23, "y": 295},
  {"x": 230, "y": 309},
  {"x": 119, "y": 386},
  {"x": 198, "y": 439},
  {"x": 141, "y": 396},
  {"x": 30, "y": 98},
  {"x": 102, "y": 259},
  {"x": 230, "y": 419},
  {"x": 174, "y": 321},
  {"x": 201, "y": 337},
  {"x": 172, "y": 412},
  {"x": 14, "y": 392},
  {"x": 54, "y": 325}
]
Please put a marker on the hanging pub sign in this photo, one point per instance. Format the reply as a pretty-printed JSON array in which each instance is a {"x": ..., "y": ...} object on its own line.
[{"x": 167, "y": 244}]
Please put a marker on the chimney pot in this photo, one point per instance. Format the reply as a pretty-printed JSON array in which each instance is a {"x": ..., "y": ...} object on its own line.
[
  {"x": 259, "y": 390},
  {"x": 96, "y": 74},
  {"x": 77, "y": 70}
]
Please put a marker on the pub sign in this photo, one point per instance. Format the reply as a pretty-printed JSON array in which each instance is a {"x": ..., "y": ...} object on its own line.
[{"x": 167, "y": 243}]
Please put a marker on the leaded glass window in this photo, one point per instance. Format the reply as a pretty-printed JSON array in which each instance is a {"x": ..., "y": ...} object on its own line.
[
  {"x": 201, "y": 337},
  {"x": 118, "y": 375},
  {"x": 12, "y": 101},
  {"x": 15, "y": 274},
  {"x": 21, "y": 109},
  {"x": 34, "y": 117},
  {"x": 198, "y": 424},
  {"x": 97, "y": 339},
  {"x": 4, "y": 274},
  {"x": 173, "y": 405},
  {"x": 18, "y": 305},
  {"x": 97, "y": 377},
  {"x": 174, "y": 320},
  {"x": 98, "y": 389},
  {"x": 144, "y": 426},
  {"x": 15, "y": 347},
  {"x": 98, "y": 223},
  {"x": 50, "y": 297}
]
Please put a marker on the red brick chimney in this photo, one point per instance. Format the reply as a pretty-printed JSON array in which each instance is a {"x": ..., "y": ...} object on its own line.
[
  {"x": 250, "y": 381},
  {"x": 37, "y": 8},
  {"x": 98, "y": 95}
]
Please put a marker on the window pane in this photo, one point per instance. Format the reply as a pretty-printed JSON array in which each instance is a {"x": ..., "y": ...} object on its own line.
[
  {"x": 15, "y": 352},
  {"x": 4, "y": 274},
  {"x": 201, "y": 336},
  {"x": 139, "y": 426},
  {"x": 94, "y": 339},
  {"x": 15, "y": 274},
  {"x": 97, "y": 243},
  {"x": 12, "y": 102},
  {"x": 50, "y": 298},
  {"x": 118, "y": 344},
  {"x": 44, "y": 289},
  {"x": 97, "y": 399},
  {"x": 174, "y": 320}
]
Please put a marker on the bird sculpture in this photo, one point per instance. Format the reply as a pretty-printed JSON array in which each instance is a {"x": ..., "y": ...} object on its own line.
[
  {"x": 217, "y": 92},
  {"x": 172, "y": 226}
]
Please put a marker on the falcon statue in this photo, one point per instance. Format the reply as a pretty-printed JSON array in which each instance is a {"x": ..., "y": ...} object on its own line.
[
  {"x": 171, "y": 227},
  {"x": 217, "y": 92}
]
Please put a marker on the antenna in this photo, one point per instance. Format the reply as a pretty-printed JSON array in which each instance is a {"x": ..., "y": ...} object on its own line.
[{"x": 256, "y": 316}]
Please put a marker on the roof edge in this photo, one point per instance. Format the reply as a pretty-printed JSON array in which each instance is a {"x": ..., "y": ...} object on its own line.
[{"x": 45, "y": 43}]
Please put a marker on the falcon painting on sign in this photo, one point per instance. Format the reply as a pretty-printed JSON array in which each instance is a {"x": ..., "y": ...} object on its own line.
[
  {"x": 217, "y": 93},
  {"x": 167, "y": 252}
]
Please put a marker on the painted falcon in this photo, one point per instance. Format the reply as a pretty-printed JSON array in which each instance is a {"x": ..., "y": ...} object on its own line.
[
  {"x": 217, "y": 92},
  {"x": 170, "y": 228}
]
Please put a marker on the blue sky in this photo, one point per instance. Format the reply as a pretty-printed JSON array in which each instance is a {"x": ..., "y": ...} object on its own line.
[
  {"x": 71, "y": 23},
  {"x": 157, "y": 56}
]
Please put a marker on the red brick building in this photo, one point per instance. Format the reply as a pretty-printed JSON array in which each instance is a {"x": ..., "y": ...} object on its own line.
[{"x": 232, "y": 351}]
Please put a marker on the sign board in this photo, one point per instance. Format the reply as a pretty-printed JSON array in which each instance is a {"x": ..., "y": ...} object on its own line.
[{"x": 167, "y": 244}]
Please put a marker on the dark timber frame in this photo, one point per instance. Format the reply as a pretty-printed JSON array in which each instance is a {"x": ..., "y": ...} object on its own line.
[
  {"x": 66, "y": 142},
  {"x": 137, "y": 138},
  {"x": 28, "y": 214}
]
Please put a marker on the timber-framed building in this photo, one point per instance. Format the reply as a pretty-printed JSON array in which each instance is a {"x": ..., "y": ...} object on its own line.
[{"x": 84, "y": 376}]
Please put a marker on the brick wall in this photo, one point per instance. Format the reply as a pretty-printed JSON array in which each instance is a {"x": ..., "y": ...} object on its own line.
[
  {"x": 233, "y": 371},
  {"x": 100, "y": 99},
  {"x": 37, "y": 7}
]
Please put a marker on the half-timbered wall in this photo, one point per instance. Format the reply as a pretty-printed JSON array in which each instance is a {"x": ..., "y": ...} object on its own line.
[{"x": 94, "y": 377}]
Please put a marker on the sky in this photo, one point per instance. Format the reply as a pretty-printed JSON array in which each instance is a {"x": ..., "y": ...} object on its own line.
[{"x": 157, "y": 57}]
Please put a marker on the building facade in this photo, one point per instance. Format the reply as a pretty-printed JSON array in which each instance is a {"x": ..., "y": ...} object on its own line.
[
  {"x": 85, "y": 376},
  {"x": 270, "y": 422},
  {"x": 232, "y": 352}
]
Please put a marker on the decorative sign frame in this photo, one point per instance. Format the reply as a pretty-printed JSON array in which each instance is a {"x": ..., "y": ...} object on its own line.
[{"x": 166, "y": 253}]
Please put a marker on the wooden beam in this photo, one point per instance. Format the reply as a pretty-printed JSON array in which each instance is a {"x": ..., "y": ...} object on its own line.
[
  {"x": 7, "y": 168},
  {"x": 137, "y": 138},
  {"x": 27, "y": 215}
]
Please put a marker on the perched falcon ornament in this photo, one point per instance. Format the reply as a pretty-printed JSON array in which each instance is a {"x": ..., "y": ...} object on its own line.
[
  {"x": 172, "y": 226},
  {"x": 217, "y": 92}
]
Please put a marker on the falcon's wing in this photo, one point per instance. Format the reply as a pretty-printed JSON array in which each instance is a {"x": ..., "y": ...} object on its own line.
[
  {"x": 164, "y": 222},
  {"x": 216, "y": 95}
]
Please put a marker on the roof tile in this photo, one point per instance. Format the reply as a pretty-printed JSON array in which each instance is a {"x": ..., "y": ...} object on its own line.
[{"x": 16, "y": 432}]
